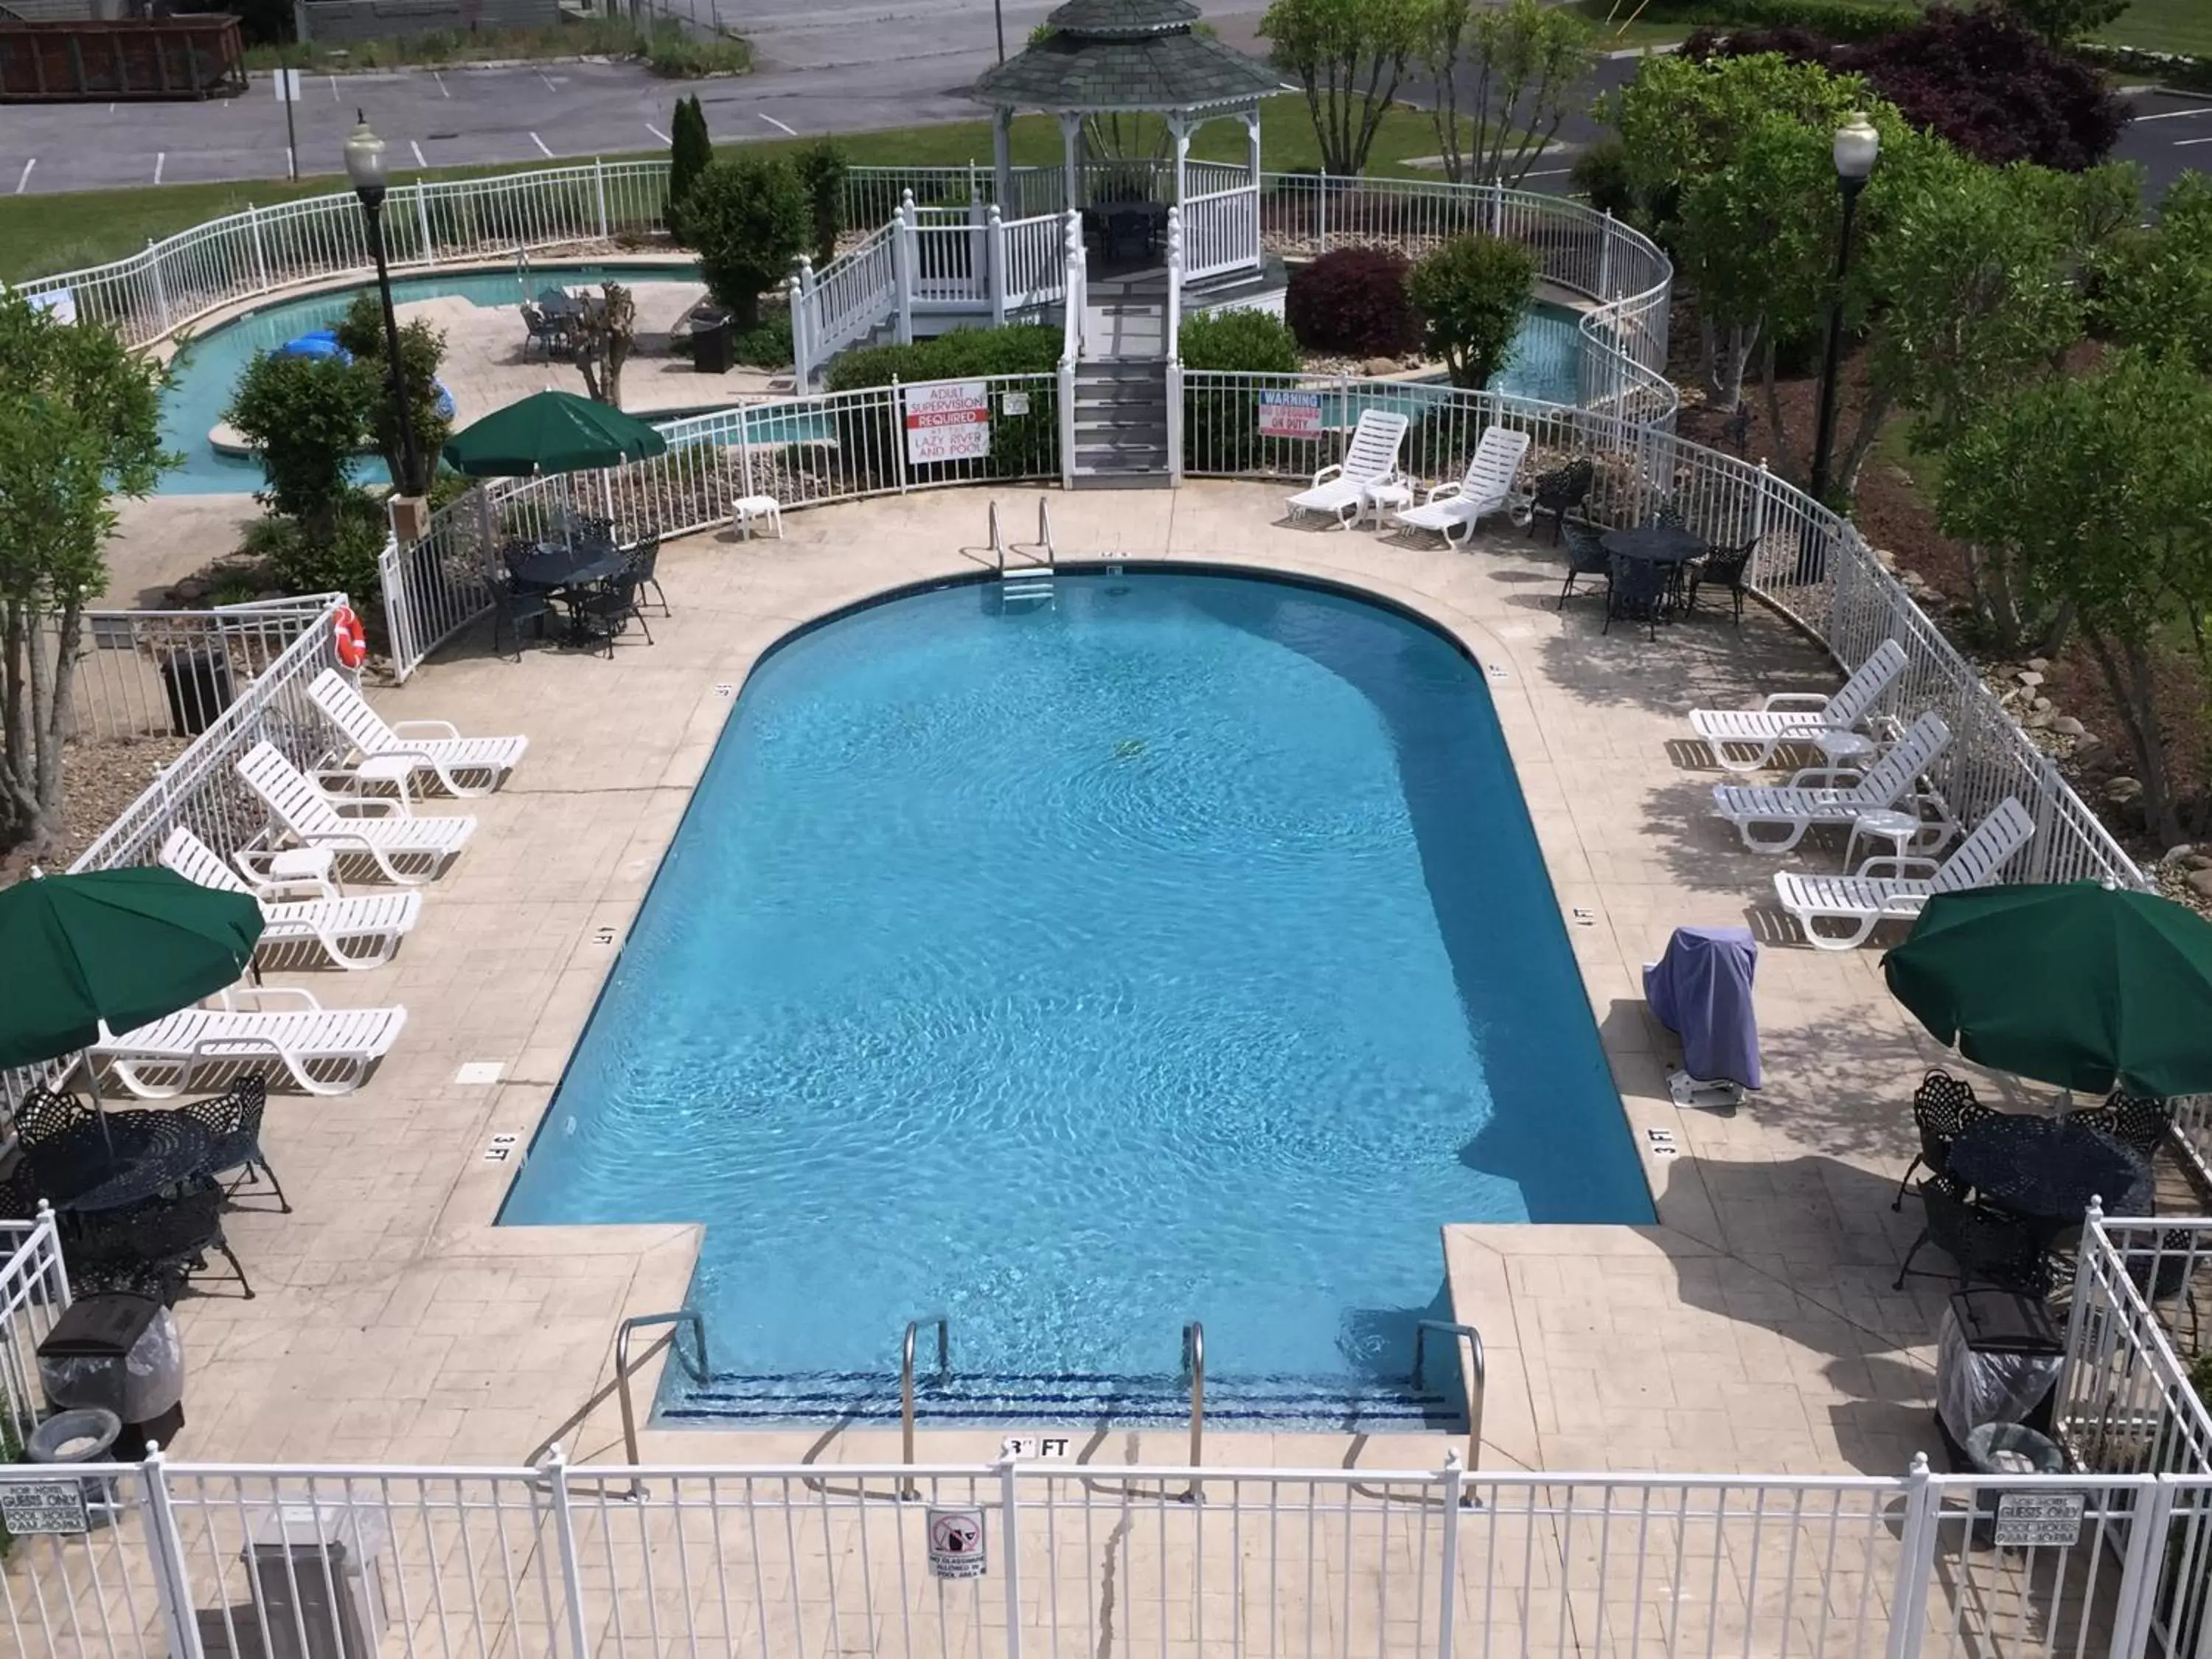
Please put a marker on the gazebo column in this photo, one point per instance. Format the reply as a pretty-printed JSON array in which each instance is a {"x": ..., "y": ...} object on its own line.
[
  {"x": 1252, "y": 154},
  {"x": 1002, "y": 162},
  {"x": 1179, "y": 130},
  {"x": 1071, "y": 139}
]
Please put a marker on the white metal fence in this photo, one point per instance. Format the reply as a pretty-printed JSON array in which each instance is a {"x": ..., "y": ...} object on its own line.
[
  {"x": 804, "y": 451},
  {"x": 34, "y": 1293},
  {"x": 1807, "y": 561},
  {"x": 206, "y": 1562},
  {"x": 140, "y": 673}
]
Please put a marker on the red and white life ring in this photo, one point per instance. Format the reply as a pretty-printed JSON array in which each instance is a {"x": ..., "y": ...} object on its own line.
[{"x": 351, "y": 643}]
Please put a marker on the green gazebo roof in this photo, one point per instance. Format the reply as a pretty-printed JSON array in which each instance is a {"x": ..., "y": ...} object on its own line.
[{"x": 1125, "y": 55}]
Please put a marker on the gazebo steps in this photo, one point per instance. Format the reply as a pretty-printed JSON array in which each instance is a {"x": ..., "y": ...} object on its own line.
[{"x": 1120, "y": 424}]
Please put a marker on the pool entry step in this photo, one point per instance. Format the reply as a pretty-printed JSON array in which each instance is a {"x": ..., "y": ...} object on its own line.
[{"x": 1026, "y": 570}]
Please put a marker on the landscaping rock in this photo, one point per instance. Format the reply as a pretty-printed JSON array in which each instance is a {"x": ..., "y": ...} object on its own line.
[
  {"x": 1379, "y": 368},
  {"x": 2041, "y": 705},
  {"x": 2196, "y": 861},
  {"x": 2200, "y": 882},
  {"x": 2121, "y": 790},
  {"x": 2037, "y": 721},
  {"x": 2029, "y": 677},
  {"x": 190, "y": 591},
  {"x": 2038, "y": 665},
  {"x": 2066, "y": 726}
]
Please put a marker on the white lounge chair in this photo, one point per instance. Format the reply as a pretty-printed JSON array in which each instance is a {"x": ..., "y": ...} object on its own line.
[
  {"x": 1867, "y": 900},
  {"x": 325, "y": 1051},
  {"x": 1792, "y": 717},
  {"x": 306, "y": 812},
  {"x": 1831, "y": 794},
  {"x": 1487, "y": 488},
  {"x": 377, "y": 920},
  {"x": 433, "y": 746},
  {"x": 1373, "y": 460}
]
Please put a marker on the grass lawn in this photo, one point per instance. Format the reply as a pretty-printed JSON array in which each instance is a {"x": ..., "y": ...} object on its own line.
[
  {"x": 1619, "y": 27},
  {"x": 66, "y": 232},
  {"x": 2164, "y": 26}
]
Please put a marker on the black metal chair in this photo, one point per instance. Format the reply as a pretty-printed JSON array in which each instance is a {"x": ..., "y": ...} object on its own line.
[
  {"x": 1723, "y": 567},
  {"x": 2137, "y": 1121},
  {"x": 643, "y": 558},
  {"x": 511, "y": 607},
  {"x": 1559, "y": 492},
  {"x": 1586, "y": 557},
  {"x": 1944, "y": 1107},
  {"x": 164, "y": 1240},
  {"x": 1638, "y": 593},
  {"x": 1988, "y": 1246},
  {"x": 1669, "y": 514},
  {"x": 46, "y": 1117},
  {"x": 2170, "y": 1275},
  {"x": 612, "y": 607},
  {"x": 232, "y": 1123}
]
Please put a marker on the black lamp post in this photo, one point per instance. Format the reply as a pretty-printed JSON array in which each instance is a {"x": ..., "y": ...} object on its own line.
[
  {"x": 364, "y": 159},
  {"x": 1857, "y": 145}
]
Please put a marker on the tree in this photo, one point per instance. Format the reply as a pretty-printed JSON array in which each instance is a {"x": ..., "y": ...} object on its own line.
[
  {"x": 2154, "y": 287},
  {"x": 2063, "y": 21},
  {"x": 80, "y": 423},
  {"x": 691, "y": 153},
  {"x": 308, "y": 419},
  {"x": 822, "y": 166},
  {"x": 1981, "y": 79},
  {"x": 422, "y": 349},
  {"x": 606, "y": 333},
  {"x": 1528, "y": 60},
  {"x": 1348, "y": 56},
  {"x": 2099, "y": 486},
  {"x": 749, "y": 220},
  {"x": 1686, "y": 122},
  {"x": 1473, "y": 292}
]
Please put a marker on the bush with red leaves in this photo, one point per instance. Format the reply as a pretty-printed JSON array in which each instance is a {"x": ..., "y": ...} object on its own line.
[
  {"x": 1982, "y": 79},
  {"x": 1353, "y": 301}
]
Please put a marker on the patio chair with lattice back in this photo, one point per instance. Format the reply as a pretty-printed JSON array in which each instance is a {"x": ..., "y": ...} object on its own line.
[
  {"x": 1586, "y": 557},
  {"x": 46, "y": 1117},
  {"x": 232, "y": 1123},
  {"x": 2169, "y": 1274},
  {"x": 1724, "y": 567},
  {"x": 1942, "y": 1108},
  {"x": 1988, "y": 1246},
  {"x": 2136, "y": 1120},
  {"x": 165, "y": 1240},
  {"x": 1639, "y": 592},
  {"x": 1559, "y": 492},
  {"x": 642, "y": 561}
]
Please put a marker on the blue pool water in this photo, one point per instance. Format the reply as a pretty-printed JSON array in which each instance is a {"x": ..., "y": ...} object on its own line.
[
  {"x": 205, "y": 374},
  {"x": 1183, "y": 951}
]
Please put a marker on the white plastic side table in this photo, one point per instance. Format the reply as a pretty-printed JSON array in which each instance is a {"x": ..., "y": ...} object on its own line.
[
  {"x": 1376, "y": 499},
  {"x": 1899, "y": 830}
]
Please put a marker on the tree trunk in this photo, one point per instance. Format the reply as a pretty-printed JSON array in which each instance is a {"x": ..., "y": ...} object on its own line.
[
  {"x": 53, "y": 726},
  {"x": 1726, "y": 384},
  {"x": 2126, "y": 667},
  {"x": 1863, "y": 442},
  {"x": 1785, "y": 456},
  {"x": 18, "y": 798}
]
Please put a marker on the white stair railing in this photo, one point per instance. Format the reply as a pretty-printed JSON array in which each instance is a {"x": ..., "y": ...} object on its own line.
[
  {"x": 1171, "y": 345},
  {"x": 1075, "y": 289}
]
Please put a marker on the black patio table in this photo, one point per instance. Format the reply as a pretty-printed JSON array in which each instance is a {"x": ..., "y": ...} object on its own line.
[
  {"x": 2046, "y": 1170},
  {"x": 556, "y": 565},
  {"x": 1654, "y": 544},
  {"x": 140, "y": 1154}
]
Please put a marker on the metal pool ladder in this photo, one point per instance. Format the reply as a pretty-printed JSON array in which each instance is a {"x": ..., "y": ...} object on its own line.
[
  {"x": 907, "y": 1488},
  {"x": 1474, "y": 1376},
  {"x": 696, "y": 1369},
  {"x": 1029, "y": 579}
]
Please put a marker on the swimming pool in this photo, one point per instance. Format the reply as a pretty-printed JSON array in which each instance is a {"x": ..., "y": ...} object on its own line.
[
  {"x": 1183, "y": 951},
  {"x": 205, "y": 373}
]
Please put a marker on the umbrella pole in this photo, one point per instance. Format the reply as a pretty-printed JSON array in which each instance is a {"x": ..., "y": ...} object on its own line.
[{"x": 92, "y": 1087}]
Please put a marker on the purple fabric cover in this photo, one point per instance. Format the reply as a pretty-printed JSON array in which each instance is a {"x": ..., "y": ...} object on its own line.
[{"x": 1701, "y": 991}]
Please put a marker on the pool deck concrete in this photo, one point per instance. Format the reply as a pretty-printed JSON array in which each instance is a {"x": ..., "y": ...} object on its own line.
[{"x": 1753, "y": 1329}]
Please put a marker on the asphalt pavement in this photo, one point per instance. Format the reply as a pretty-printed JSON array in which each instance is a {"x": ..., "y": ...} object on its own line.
[{"x": 831, "y": 66}]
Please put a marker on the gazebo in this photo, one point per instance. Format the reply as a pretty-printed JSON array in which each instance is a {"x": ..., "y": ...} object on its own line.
[{"x": 1142, "y": 57}]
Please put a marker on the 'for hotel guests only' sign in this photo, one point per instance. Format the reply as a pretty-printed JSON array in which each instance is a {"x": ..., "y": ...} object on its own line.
[{"x": 948, "y": 422}]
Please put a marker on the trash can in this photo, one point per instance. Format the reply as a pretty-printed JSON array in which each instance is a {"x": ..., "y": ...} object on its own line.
[
  {"x": 121, "y": 1354},
  {"x": 711, "y": 343},
  {"x": 1997, "y": 1359},
  {"x": 314, "y": 1569},
  {"x": 199, "y": 688},
  {"x": 85, "y": 1435},
  {"x": 2004, "y": 1449}
]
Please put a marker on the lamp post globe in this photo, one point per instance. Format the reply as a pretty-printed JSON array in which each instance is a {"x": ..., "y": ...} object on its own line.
[{"x": 364, "y": 160}]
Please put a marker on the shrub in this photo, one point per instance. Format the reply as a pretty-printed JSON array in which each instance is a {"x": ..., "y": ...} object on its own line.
[
  {"x": 422, "y": 349},
  {"x": 870, "y": 433},
  {"x": 691, "y": 153},
  {"x": 307, "y": 418},
  {"x": 1252, "y": 341},
  {"x": 1353, "y": 301},
  {"x": 748, "y": 218},
  {"x": 343, "y": 559},
  {"x": 822, "y": 169},
  {"x": 1838, "y": 20},
  {"x": 1602, "y": 175},
  {"x": 768, "y": 346},
  {"x": 1472, "y": 292}
]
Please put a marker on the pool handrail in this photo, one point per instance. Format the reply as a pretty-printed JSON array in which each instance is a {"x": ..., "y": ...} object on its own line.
[
  {"x": 1193, "y": 1365},
  {"x": 678, "y": 1318},
  {"x": 906, "y": 1346},
  {"x": 1475, "y": 1377}
]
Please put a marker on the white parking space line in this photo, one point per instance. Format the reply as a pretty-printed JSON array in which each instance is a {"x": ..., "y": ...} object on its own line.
[
  {"x": 335, "y": 98},
  {"x": 2183, "y": 143},
  {"x": 548, "y": 80},
  {"x": 540, "y": 143},
  {"x": 25, "y": 178},
  {"x": 161, "y": 161},
  {"x": 417, "y": 149},
  {"x": 777, "y": 125},
  {"x": 658, "y": 133},
  {"x": 1548, "y": 172},
  {"x": 2176, "y": 114},
  {"x": 440, "y": 80}
]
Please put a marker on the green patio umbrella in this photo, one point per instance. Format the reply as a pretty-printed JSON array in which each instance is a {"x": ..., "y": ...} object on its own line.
[
  {"x": 550, "y": 432},
  {"x": 116, "y": 946},
  {"x": 2079, "y": 985}
]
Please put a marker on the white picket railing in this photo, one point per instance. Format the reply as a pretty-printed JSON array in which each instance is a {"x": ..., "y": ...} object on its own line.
[
  {"x": 140, "y": 673},
  {"x": 190, "y": 1561},
  {"x": 34, "y": 1292},
  {"x": 1809, "y": 563},
  {"x": 1221, "y": 233},
  {"x": 805, "y": 451}
]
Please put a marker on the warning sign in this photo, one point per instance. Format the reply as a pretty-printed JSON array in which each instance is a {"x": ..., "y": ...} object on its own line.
[
  {"x": 2041, "y": 1519},
  {"x": 43, "y": 1506},
  {"x": 955, "y": 1544},
  {"x": 950, "y": 421},
  {"x": 1289, "y": 414}
]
